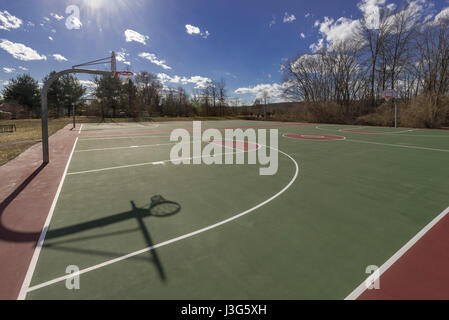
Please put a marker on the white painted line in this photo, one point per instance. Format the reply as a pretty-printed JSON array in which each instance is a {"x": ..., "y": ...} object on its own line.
[
  {"x": 420, "y": 135},
  {"x": 123, "y": 137},
  {"x": 131, "y": 147},
  {"x": 150, "y": 163},
  {"x": 306, "y": 137},
  {"x": 394, "y": 132},
  {"x": 320, "y": 128},
  {"x": 81, "y": 128},
  {"x": 362, "y": 287},
  {"x": 397, "y": 145},
  {"x": 37, "y": 250},
  {"x": 355, "y": 128},
  {"x": 188, "y": 235}
]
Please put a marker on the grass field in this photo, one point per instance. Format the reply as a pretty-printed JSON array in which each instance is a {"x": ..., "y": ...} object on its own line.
[
  {"x": 308, "y": 232},
  {"x": 28, "y": 130}
]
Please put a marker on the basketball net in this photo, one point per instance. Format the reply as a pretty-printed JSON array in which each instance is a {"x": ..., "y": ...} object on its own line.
[{"x": 124, "y": 76}]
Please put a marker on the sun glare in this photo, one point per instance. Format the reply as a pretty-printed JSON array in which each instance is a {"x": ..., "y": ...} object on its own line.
[{"x": 96, "y": 4}]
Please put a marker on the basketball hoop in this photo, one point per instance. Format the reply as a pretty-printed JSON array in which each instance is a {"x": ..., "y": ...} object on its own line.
[
  {"x": 124, "y": 75},
  {"x": 389, "y": 94}
]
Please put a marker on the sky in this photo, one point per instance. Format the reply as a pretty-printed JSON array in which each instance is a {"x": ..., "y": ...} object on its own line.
[{"x": 184, "y": 42}]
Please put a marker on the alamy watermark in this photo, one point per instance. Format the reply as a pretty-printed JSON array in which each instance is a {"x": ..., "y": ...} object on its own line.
[
  {"x": 73, "y": 283},
  {"x": 73, "y": 20},
  {"x": 373, "y": 281},
  {"x": 232, "y": 147}
]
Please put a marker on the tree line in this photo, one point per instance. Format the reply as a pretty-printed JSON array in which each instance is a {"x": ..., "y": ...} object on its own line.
[
  {"x": 400, "y": 52},
  {"x": 142, "y": 95}
]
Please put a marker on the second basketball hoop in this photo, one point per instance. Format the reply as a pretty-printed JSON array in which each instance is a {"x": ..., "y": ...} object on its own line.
[{"x": 123, "y": 75}]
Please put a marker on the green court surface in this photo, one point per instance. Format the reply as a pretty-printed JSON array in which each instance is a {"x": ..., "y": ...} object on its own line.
[{"x": 308, "y": 232}]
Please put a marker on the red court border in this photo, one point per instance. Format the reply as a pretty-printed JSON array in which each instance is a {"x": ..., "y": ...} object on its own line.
[
  {"x": 421, "y": 273},
  {"x": 25, "y": 201}
]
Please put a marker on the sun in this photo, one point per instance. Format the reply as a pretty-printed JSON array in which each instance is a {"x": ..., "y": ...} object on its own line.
[{"x": 96, "y": 4}]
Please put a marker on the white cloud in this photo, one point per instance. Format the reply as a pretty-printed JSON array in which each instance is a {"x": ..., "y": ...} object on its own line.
[
  {"x": 56, "y": 16},
  {"x": 337, "y": 31},
  {"x": 275, "y": 90},
  {"x": 50, "y": 37},
  {"x": 88, "y": 83},
  {"x": 8, "y": 70},
  {"x": 414, "y": 10},
  {"x": 23, "y": 68},
  {"x": 371, "y": 10},
  {"x": 192, "y": 29},
  {"x": 59, "y": 57},
  {"x": 317, "y": 46},
  {"x": 122, "y": 56},
  {"x": 195, "y": 30},
  {"x": 8, "y": 21},
  {"x": 272, "y": 22},
  {"x": 132, "y": 35},
  {"x": 198, "y": 81},
  {"x": 302, "y": 35},
  {"x": 442, "y": 16},
  {"x": 206, "y": 34},
  {"x": 20, "y": 51},
  {"x": 30, "y": 24},
  {"x": 288, "y": 18},
  {"x": 343, "y": 29},
  {"x": 153, "y": 59},
  {"x": 47, "y": 19},
  {"x": 308, "y": 15}
]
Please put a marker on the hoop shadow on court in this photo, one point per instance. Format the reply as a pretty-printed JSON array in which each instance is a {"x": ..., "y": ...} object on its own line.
[{"x": 159, "y": 208}]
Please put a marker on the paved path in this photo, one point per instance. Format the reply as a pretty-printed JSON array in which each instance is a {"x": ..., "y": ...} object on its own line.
[{"x": 26, "y": 194}]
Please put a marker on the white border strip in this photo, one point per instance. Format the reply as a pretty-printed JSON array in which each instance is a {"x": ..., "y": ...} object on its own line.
[
  {"x": 37, "y": 250},
  {"x": 188, "y": 235},
  {"x": 362, "y": 287}
]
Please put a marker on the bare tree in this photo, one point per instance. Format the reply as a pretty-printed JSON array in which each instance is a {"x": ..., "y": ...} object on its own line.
[
  {"x": 374, "y": 31},
  {"x": 221, "y": 91}
]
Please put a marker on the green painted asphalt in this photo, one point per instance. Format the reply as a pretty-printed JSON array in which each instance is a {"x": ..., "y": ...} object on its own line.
[{"x": 353, "y": 205}]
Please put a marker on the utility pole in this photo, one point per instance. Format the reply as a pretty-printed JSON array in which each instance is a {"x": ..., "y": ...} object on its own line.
[
  {"x": 265, "y": 97},
  {"x": 395, "y": 113}
]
